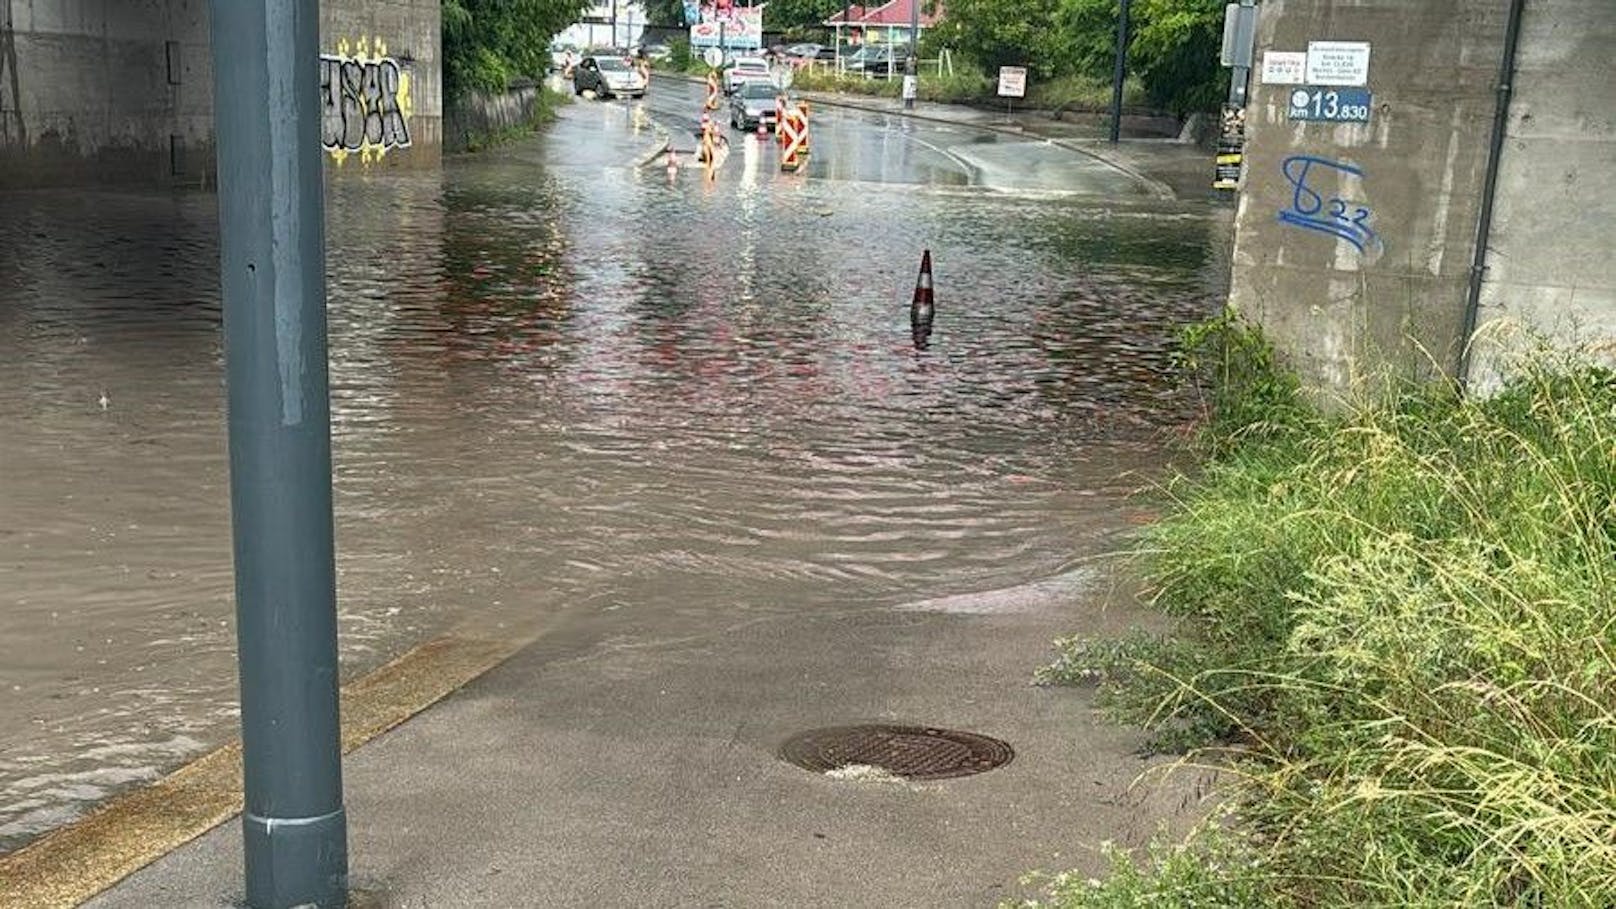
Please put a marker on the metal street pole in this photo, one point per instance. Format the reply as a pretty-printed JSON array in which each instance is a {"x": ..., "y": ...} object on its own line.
[
  {"x": 1120, "y": 74},
  {"x": 911, "y": 66},
  {"x": 847, "y": 22},
  {"x": 272, "y": 274},
  {"x": 1240, "y": 63}
]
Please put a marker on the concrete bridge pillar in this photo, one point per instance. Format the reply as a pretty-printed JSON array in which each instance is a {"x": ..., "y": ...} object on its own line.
[{"x": 1356, "y": 228}]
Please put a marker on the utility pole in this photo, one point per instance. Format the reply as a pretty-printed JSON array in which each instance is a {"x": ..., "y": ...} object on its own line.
[
  {"x": 272, "y": 276},
  {"x": 614, "y": 24},
  {"x": 911, "y": 75},
  {"x": 847, "y": 23},
  {"x": 1120, "y": 74}
]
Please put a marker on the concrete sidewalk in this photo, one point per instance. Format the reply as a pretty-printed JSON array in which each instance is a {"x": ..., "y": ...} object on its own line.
[{"x": 631, "y": 760}]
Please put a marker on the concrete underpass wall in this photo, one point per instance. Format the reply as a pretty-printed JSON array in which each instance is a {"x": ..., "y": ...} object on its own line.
[
  {"x": 408, "y": 35},
  {"x": 121, "y": 91},
  {"x": 104, "y": 90},
  {"x": 1339, "y": 312},
  {"x": 1413, "y": 175},
  {"x": 1551, "y": 264}
]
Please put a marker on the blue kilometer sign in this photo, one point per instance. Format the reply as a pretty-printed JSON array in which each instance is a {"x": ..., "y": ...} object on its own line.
[{"x": 1336, "y": 105}]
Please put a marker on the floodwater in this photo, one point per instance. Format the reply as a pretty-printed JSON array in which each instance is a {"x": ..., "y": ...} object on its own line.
[{"x": 561, "y": 384}]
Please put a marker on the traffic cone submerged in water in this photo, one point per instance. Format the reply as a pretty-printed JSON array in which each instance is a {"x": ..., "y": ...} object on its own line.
[
  {"x": 923, "y": 306},
  {"x": 923, "y": 310}
]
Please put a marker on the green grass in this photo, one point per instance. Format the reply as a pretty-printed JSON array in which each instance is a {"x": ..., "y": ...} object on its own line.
[
  {"x": 961, "y": 86},
  {"x": 966, "y": 85},
  {"x": 1399, "y": 625}
]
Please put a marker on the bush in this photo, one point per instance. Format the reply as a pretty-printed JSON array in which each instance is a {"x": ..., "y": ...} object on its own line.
[{"x": 1406, "y": 619}]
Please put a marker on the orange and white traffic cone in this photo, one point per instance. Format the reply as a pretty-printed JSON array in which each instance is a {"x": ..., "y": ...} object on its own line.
[
  {"x": 923, "y": 310},
  {"x": 673, "y": 165}
]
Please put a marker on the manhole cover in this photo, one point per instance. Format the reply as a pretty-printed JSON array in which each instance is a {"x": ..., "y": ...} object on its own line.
[{"x": 912, "y": 752}]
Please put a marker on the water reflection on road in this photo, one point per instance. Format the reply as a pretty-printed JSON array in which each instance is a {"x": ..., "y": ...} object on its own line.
[{"x": 559, "y": 385}]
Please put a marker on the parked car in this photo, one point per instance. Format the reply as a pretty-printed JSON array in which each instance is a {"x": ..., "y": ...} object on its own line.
[
  {"x": 752, "y": 104},
  {"x": 873, "y": 60},
  {"x": 607, "y": 76},
  {"x": 656, "y": 51},
  {"x": 744, "y": 70},
  {"x": 804, "y": 54}
]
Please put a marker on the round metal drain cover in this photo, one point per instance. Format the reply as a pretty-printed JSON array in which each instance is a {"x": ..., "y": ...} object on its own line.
[{"x": 912, "y": 752}]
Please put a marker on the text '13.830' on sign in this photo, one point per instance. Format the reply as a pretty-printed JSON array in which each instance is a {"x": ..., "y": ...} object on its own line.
[{"x": 1336, "y": 105}]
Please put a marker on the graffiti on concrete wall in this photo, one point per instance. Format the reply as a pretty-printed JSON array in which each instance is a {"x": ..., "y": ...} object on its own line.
[
  {"x": 364, "y": 100},
  {"x": 1336, "y": 216}
]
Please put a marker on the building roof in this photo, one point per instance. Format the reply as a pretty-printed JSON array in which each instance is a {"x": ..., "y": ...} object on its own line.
[{"x": 891, "y": 13}]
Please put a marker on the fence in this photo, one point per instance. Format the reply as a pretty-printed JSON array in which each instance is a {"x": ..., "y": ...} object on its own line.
[{"x": 940, "y": 65}]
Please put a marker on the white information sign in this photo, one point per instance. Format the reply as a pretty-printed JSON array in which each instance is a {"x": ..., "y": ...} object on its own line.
[
  {"x": 1337, "y": 63},
  {"x": 1284, "y": 67},
  {"x": 713, "y": 56},
  {"x": 1012, "y": 81}
]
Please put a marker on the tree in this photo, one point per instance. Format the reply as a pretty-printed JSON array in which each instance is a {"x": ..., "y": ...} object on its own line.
[
  {"x": 797, "y": 15},
  {"x": 1173, "y": 45},
  {"x": 486, "y": 43},
  {"x": 1176, "y": 51},
  {"x": 664, "y": 13},
  {"x": 997, "y": 33}
]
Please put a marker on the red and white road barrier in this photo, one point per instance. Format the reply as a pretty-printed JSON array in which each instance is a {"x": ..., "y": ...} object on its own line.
[
  {"x": 793, "y": 127},
  {"x": 712, "y": 90}
]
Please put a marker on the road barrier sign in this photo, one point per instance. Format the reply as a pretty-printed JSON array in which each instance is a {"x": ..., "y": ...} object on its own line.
[
  {"x": 712, "y": 90},
  {"x": 794, "y": 127}
]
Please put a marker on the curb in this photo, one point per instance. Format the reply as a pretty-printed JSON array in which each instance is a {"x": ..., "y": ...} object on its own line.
[
  {"x": 650, "y": 157},
  {"x": 71, "y": 864}
]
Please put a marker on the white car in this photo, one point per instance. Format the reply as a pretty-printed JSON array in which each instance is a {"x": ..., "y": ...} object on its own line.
[
  {"x": 606, "y": 76},
  {"x": 743, "y": 70}
]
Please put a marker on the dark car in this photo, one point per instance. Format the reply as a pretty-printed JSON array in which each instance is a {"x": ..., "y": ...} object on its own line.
[
  {"x": 751, "y": 104},
  {"x": 606, "y": 76},
  {"x": 800, "y": 55},
  {"x": 874, "y": 60}
]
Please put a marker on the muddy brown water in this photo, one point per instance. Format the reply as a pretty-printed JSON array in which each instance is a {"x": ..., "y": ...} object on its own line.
[{"x": 559, "y": 385}]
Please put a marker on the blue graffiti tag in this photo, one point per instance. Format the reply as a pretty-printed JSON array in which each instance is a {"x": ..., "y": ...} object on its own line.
[{"x": 1346, "y": 220}]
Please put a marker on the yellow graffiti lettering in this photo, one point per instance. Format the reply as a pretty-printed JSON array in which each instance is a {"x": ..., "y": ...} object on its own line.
[{"x": 365, "y": 101}]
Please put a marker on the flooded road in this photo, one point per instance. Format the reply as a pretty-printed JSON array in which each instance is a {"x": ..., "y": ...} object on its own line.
[{"x": 562, "y": 385}]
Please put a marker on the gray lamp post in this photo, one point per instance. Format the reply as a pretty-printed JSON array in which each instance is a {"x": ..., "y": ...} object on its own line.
[{"x": 272, "y": 276}]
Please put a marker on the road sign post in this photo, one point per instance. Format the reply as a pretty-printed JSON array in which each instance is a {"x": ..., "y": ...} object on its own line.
[
  {"x": 911, "y": 66},
  {"x": 1120, "y": 73},
  {"x": 1012, "y": 85},
  {"x": 272, "y": 269}
]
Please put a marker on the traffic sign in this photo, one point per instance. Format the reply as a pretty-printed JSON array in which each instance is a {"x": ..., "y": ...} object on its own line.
[
  {"x": 713, "y": 56},
  {"x": 1331, "y": 105},
  {"x": 1012, "y": 81}
]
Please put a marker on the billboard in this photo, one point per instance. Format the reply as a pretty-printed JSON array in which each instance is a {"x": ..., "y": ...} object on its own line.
[{"x": 740, "y": 27}]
